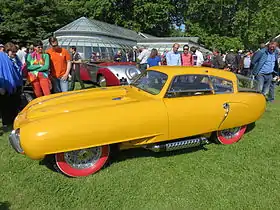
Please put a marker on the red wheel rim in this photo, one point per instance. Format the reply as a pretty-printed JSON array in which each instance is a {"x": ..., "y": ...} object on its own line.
[
  {"x": 82, "y": 162},
  {"x": 230, "y": 136}
]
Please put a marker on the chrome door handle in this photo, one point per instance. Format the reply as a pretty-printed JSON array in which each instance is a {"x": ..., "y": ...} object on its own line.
[{"x": 226, "y": 106}]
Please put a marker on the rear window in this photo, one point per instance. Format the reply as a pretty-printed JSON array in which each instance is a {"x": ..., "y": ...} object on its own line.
[
  {"x": 221, "y": 85},
  {"x": 246, "y": 84}
]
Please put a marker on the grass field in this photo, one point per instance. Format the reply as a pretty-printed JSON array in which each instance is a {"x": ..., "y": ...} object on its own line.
[{"x": 245, "y": 175}]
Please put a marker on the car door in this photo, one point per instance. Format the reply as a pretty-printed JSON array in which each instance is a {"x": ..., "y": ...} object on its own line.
[{"x": 196, "y": 105}]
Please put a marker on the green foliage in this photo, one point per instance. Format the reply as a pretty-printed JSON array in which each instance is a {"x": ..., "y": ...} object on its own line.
[
  {"x": 140, "y": 15},
  {"x": 233, "y": 22},
  {"x": 219, "y": 23},
  {"x": 25, "y": 21}
]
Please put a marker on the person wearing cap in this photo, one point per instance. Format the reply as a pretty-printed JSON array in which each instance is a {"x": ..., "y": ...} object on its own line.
[
  {"x": 60, "y": 65},
  {"x": 38, "y": 64}
]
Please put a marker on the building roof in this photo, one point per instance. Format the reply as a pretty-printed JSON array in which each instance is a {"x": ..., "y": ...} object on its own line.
[
  {"x": 85, "y": 32},
  {"x": 168, "y": 39},
  {"x": 87, "y": 27}
]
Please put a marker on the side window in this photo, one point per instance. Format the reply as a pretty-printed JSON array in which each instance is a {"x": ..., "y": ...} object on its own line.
[
  {"x": 190, "y": 85},
  {"x": 221, "y": 85}
]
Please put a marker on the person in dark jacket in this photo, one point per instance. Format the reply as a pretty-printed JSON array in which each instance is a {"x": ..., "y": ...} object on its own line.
[
  {"x": 119, "y": 57},
  {"x": 10, "y": 85},
  {"x": 231, "y": 61},
  {"x": 217, "y": 60},
  {"x": 76, "y": 61},
  {"x": 264, "y": 65}
]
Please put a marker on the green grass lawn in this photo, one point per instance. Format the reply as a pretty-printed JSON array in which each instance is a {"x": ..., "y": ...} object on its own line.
[{"x": 245, "y": 175}]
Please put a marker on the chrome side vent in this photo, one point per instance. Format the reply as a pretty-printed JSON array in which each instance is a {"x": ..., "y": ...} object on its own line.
[{"x": 176, "y": 145}]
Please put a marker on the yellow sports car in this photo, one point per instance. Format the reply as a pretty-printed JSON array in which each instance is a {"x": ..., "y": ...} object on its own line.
[{"x": 165, "y": 108}]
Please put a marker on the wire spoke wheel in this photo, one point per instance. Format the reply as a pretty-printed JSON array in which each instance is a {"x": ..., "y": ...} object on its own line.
[
  {"x": 82, "y": 162},
  {"x": 230, "y": 136}
]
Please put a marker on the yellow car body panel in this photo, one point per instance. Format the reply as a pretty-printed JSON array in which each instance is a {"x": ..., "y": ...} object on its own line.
[
  {"x": 245, "y": 108},
  {"x": 87, "y": 122},
  {"x": 131, "y": 117}
]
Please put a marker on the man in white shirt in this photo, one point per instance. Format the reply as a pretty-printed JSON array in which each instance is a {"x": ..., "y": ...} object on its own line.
[
  {"x": 21, "y": 55},
  {"x": 199, "y": 56},
  {"x": 173, "y": 57},
  {"x": 143, "y": 57}
]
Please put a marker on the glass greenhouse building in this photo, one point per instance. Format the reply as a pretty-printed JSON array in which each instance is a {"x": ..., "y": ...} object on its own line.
[{"x": 93, "y": 36}]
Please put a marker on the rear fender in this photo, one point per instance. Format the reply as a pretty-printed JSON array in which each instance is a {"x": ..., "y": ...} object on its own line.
[{"x": 244, "y": 112}]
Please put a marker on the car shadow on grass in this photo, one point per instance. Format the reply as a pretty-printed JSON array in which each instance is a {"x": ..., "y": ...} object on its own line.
[
  {"x": 118, "y": 156},
  {"x": 5, "y": 205},
  {"x": 250, "y": 127},
  {"x": 49, "y": 162},
  {"x": 141, "y": 152}
]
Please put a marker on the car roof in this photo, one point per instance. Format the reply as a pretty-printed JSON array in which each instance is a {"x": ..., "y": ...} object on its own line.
[
  {"x": 179, "y": 70},
  {"x": 117, "y": 64}
]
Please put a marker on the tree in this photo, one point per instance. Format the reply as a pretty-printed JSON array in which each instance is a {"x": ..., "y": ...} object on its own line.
[
  {"x": 25, "y": 21},
  {"x": 220, "y": 24},
  {"x": 237, "y": 21},
  {"x": 154, "y": 17}
]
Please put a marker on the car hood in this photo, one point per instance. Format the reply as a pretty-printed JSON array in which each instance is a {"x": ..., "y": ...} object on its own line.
[{"x": 78, "y": 100}]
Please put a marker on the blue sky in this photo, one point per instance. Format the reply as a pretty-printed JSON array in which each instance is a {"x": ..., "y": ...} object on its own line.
[{"x": 182, "y": 27}]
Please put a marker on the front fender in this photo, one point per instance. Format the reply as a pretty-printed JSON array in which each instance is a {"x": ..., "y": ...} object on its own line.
[{"x": 94, "y": 127}]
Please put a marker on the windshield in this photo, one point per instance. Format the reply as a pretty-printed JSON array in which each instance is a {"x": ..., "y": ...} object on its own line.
[
  {"x": 246, "y": 84},
  {"x": 150, "y": 81}
]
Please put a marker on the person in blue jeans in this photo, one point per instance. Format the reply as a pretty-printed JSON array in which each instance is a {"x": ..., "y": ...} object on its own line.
[
  {"x": 60, "y": 66},
  {"x": 264, "y": 63},
  {"x": 271, "y": 93},
  {"x": 154, "y": 59}
]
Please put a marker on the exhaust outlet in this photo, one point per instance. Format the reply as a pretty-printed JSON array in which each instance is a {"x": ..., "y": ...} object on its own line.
[{"x": 176, "y": 145}]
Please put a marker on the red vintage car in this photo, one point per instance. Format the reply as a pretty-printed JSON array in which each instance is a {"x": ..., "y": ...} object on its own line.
[{"x": 109, "y": 73}]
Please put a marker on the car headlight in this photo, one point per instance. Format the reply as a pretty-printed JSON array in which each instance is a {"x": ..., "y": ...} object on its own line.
[
  {"x": 132, "y": 72},
  {"x": 14, "y": 139}
]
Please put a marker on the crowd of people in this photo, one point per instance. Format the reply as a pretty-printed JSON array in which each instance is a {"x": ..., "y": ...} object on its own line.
[
  {"x": 239, "y": 62},
  {"x": 261, "y": 65},
  {"x": 48, "y": 72}
]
